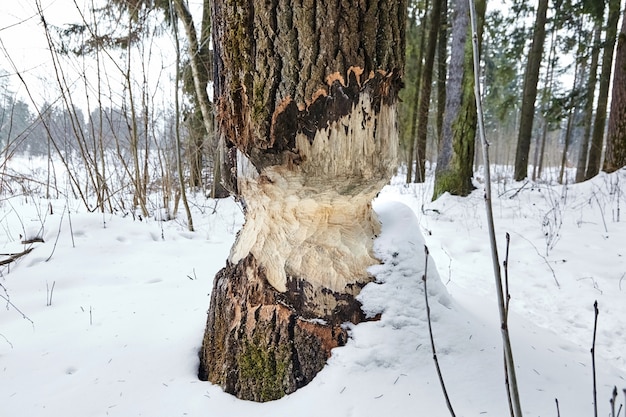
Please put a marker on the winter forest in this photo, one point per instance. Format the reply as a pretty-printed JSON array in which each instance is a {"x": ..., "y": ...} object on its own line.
[{"x": 312, "y": 207}]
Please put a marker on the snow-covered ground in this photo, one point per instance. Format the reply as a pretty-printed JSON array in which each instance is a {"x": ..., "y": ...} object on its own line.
[{"x": 106, "y": 316}]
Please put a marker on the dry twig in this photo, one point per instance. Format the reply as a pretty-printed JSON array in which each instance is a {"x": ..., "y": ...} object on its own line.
[
  {"x": 506, "y": 341},
  {"x": 593, "y": 359},
  {"x": 432, "y": 339}
]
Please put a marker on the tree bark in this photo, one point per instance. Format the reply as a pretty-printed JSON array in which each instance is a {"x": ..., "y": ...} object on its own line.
[
  {"x": 455, "y": 160},
  {"x": 615, "y": 157},
  {"x": 599, "y": 125},
  {"x": 306, "y": 95},
  {"x": 531, "y": 77}
]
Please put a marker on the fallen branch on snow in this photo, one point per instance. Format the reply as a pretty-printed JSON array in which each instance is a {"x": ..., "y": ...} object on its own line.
[
  {"x": 12, "y": 257},
  {"x": 33, "y": 240}
]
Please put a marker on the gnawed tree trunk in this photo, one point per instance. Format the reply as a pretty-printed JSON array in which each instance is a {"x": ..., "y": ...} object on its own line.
[{"x": 306, "y": 94}]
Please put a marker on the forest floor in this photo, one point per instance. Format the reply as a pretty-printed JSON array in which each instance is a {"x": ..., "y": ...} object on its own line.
[{"x": 105, "y": 316}]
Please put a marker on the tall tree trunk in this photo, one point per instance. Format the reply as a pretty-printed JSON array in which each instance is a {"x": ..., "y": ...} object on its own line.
[
  {"x": 566, "y": 141},
  {"x": 139, "y": 196},
  {"x": 199, "y": 57},
  {"x": 577, "y": 85},
  {"x": 531, "y": 77},
  {"x": 456, "y": 148},
  {"x": 425, "y": 89},
  {"x": 442, "y": 67},
  {"x": 542, "y": 149},
  {"x": 583, "y": 153},
  {"x": 179, "y": 163},
  {"x": 546, "y": 98},
  {"x": 416, "y": 99},
  {"x": 599, "y": 125},
  {"x": 306, "y": 93},
  {"x": 615, "y": 157}
]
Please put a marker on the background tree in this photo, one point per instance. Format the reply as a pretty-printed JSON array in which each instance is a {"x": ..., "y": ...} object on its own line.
[
  {"x": 423, "y": 107},
  {"x": 531, "y": 78},
  {"x": 417, "y": 34},
  {"x": 548, "y": 118},
  {"x": 615, "y": 156},
  {"x": 455, "y": 160},
  {"x": 599, "y": 124},
  {"x": 307, "y": 94},
  {"x": 503, "y": 46},
  {"x": 571, "y": 19},
  {"x": 442, "y": 67},
  {"x": 200, "y": 65},
  {"x": 590, "y": 93},
  {"x": 16, "y": 123}
]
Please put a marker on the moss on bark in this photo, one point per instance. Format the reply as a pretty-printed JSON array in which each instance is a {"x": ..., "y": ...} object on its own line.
[{"x": 265, "y": 368}]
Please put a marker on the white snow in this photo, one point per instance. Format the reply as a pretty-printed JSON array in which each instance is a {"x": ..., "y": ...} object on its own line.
[{"x": 128, "y": 303}]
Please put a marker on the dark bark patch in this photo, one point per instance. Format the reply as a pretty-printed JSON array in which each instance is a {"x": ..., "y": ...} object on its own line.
[
  {"x": 280, "y": 135},
  {"x": 260, "y": 345},
  {"x": 336, "y": 102},
  {"x": 332, "y": 307}
]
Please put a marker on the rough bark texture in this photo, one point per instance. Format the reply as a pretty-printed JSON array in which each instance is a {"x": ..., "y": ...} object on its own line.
[
  {"x": 599, "y": 125},
  {"x": 260, "y": 346},
  {"x": 275, "y": 59},
  {"x": 531, "y": 77},
  {"x": 456, "y": 148},
  {"x": 306, "y": 97},
  {"x": 615, "y": 157}
]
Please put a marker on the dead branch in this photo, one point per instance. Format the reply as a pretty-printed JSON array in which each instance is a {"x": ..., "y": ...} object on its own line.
[
  {"x": 12, "y": 257},
  {"x": 506, "y": 341},
  {"x": 432, "y": 339},
  {"x": 10, "y": 304},
  {"x": 33, "y": 240},
  {"x": 593, "y": 359}
]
